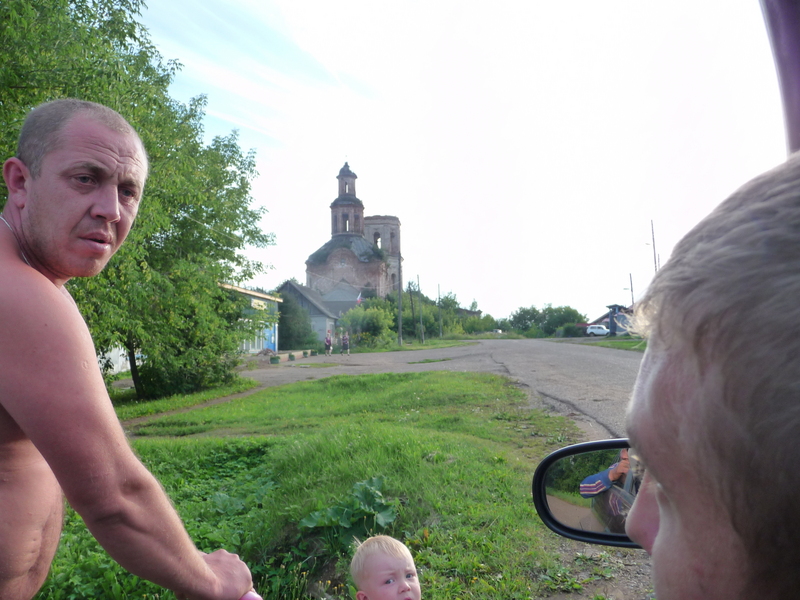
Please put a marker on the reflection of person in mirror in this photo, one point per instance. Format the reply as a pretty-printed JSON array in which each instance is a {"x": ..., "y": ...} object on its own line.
[
  {"x": 715, "y": 412},
  {"x": 613, "y": 475}
]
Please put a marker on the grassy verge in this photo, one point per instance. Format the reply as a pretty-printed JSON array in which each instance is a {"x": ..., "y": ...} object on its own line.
[
  {"x": 445, "y": 459},
  {"x": 127, "y": 406},
  {"x": 635, "y": 344},
  {"x": 430, "y": 344}
]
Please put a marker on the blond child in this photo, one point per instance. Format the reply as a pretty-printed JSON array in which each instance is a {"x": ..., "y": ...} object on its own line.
[{"x": 383, "y": 569}]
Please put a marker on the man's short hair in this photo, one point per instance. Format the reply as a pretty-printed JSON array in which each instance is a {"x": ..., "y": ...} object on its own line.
[
  {"x": 379, "y": 544},
  {"x": 729, "y": 297},
  {"x": 42, "y": 129}
]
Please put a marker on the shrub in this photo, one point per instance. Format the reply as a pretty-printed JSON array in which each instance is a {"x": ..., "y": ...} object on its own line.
[
  {"x": 570, "y": 330},
  {"x": 534, "y": 332}
]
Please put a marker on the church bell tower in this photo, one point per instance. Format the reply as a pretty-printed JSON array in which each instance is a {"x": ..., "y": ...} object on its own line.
[{"x": 347, "y": 211}]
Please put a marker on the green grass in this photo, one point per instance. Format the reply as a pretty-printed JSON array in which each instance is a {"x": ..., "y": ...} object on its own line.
[
  {"x": 127, "y": 406},
  {"x": 413, "y": 344},
  {"x": 456, "y": 452},
  {"x": 635, "y": 344}
]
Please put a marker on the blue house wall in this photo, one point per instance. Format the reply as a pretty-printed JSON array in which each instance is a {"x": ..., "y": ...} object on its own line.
[{"x": 268, "y": 337}]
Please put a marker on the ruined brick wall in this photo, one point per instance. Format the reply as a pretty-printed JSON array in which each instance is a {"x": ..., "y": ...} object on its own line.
[{"x": 342, "y": 264}]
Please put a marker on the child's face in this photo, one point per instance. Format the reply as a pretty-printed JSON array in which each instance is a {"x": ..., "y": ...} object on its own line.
[{"x": 389, "y": 578}]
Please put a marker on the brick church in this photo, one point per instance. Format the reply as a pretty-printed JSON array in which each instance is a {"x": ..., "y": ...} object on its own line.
[
  {"x": 363, "y": 253},
  {"x": 361, "y": 260}
]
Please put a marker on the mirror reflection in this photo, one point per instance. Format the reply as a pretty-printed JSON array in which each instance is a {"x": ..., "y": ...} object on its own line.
[{"x": 593, "y": 491}]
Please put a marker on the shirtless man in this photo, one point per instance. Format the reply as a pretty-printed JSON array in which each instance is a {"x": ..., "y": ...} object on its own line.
[{"x": 74, "y": 189}]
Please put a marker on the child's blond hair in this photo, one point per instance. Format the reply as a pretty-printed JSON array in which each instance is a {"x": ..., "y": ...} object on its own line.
[{"x": 379, "y": 544}]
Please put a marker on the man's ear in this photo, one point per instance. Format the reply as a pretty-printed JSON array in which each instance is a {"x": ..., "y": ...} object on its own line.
[
  {"x": 361, "y": 595},
  {"x": 16, "y": 176}
]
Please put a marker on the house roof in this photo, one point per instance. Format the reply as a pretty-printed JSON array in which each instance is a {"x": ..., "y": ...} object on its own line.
[
  {"x": 247, "y": 292},
  {"x": 312, "y": 296},
  {"x": 341, "y": 298}
]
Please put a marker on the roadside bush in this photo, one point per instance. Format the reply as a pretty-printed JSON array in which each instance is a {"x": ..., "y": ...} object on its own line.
[
  {"x": 570, "y": 330},
  {"x": 534, "y": 332},
  {"x": 371, "y": 326}
]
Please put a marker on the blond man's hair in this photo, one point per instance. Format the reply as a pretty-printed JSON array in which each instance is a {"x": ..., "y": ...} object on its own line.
[
  {"x": 729, "y": 299},
  {"x": 379, "y": 544}
]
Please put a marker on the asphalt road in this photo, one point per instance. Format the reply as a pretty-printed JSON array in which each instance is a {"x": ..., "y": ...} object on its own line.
[{"x": 589, "y": 383}]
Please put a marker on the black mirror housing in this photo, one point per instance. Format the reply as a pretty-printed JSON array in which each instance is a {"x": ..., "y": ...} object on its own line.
[{"x": 598, "y": 525}]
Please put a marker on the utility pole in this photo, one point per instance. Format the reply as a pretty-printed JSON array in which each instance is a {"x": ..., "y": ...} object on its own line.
[
  {"x": 411, "y": 297},
  {"x": 400, "y": 302},
  {"x": 419, "y": 299},
  {"x": 631, "y": 277},
  {"x": 439, "y": 302},
  {"x": 653, "y": 233}
]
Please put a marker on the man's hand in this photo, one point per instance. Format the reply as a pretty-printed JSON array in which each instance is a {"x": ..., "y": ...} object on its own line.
[
  {"x": 233, "y": 576},
  {"x": 620, "y": 469}
]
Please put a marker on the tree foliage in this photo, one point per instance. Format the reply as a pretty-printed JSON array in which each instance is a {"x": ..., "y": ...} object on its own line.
[
  {"x": 294, "y": 326},
  {"x": 372, "y": 323},
  {"x": 535, "y": 323},
  {"x": 377, "y": 318},
  {"x": 159, "y": 297}
]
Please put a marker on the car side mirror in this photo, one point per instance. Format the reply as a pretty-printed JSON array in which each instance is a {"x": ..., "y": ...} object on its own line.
[{"x": 585, "y": 491}]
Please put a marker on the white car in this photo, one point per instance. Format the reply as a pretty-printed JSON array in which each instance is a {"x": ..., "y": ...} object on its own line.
[{"x": 594, "y": 330}]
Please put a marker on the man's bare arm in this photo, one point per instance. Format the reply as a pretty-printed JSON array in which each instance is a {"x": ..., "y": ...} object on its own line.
[{"x": 51, "y": 386}]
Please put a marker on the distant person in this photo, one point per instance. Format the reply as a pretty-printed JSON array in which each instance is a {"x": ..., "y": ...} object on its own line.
[
  {"x": 328, "y": 344},
  {"x": 383, "y": 569},
  {"x": 601, "y": 482},
  {"x": 715, "y": 413},
  {"x": 345, "y": 343},
  {"x": 74, "y": 189}
]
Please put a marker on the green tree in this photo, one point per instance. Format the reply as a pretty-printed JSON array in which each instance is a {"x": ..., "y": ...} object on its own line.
[
  {"x": 537, "y": 323},
  {"x": 159, "y": 297},
  {"x": 480, "y": 324},
  {"x": 554, "y": 317},
  {"x": 372, "y": 325},
  {"x": 294, "y": 326},
  {"x": 525, "y": 318}
]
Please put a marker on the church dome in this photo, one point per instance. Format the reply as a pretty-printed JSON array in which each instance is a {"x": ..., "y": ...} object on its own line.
[{"x": 346, "y": 172}]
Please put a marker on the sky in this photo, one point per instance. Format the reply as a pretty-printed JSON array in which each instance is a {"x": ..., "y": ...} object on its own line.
[{"x": 532, "y": 150}]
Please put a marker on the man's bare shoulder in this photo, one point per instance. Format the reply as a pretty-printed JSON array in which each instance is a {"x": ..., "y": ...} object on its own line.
[
  {"x": 47, "y": 357},
  {"x": 25, "y": 292}
]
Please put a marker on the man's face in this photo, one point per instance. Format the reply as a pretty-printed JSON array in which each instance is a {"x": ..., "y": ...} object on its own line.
[
  {"x": 78, "y": 211},
  {"x": 389, "y": 578},
  {"x": 696, "y": 553}
]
